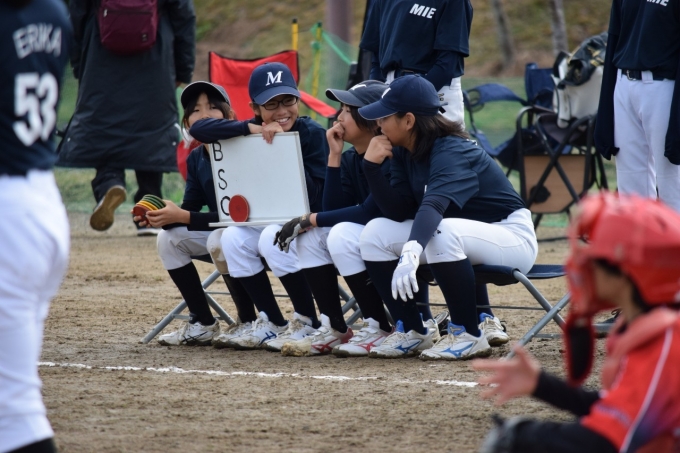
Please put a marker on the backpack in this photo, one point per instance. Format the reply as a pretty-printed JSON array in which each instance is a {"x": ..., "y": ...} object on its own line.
[
  {"x": 578, "y": 78},
  {"x": 127, "y": 27}
]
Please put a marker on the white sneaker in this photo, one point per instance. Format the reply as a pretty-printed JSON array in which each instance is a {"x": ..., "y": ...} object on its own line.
[
  {"x": 322, "y": 341},
  {"x": 297, "y": 329},
  {"x": 261, "y": 330},
  {"x": 363, "y": 341},
  {"x": 401, "y": 344},
  {"x": 493, "y": 330},
  {"x": 458, "y": 345},
  {"x": 191, "y": 334},
  {"x": 433, "y": 324},
  {"x": 233, "y": 331}
]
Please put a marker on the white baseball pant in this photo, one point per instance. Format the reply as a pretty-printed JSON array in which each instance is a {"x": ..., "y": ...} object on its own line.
[
  {"x": 338, "y": 245},
  {"x": 34, "y": 250},
  {"x": 510, "y": 242},
  {"x": 641, "y": 112},
  {"x": 176, "y": 246},
  {"x": 452, "y": 94}
]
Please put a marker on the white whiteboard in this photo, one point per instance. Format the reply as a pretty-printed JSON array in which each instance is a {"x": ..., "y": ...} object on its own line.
[{"x": 270, "y": 176}]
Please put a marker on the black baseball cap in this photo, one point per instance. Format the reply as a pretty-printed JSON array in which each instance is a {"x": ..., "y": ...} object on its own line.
[
  {"x": 194, "y": 89},
  {"x": 410, "y": 93},
  {"x": 270, "y": 80},
  {"x": 359, "y": 95}
]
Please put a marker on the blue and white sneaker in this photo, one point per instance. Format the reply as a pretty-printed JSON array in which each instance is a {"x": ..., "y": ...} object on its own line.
[
  {"x": 492, "y": 329},
  {"x": 297, "y": 329},
  {"x": 458, "y": 345},
  {"x": 261, "y": 331},
  {"x": 404, "y": 344}
]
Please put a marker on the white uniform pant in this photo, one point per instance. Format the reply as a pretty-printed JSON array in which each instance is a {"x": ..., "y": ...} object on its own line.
[
  {"x": 641, "y": 112},
  {"x": 452, "y": 95},
  {"x": 34, "y": 249},
  {"x": 176, "y": 246},
  {"x": 243, "y": 246},
  {"x": 510, "y": 242},
  {"x": 338, "y": 245}
]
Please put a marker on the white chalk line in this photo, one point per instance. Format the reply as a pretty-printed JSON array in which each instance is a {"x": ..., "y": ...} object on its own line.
[{"x": 177, "y": 370}]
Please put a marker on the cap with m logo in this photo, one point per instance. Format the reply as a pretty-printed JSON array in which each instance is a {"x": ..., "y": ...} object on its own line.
[{"x": 270, "y": 80}]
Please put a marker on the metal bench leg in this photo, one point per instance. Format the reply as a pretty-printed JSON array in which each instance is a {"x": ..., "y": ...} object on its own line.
[
  {"x": 539, "y": 297},
  {"x": 553, "y": 313}
]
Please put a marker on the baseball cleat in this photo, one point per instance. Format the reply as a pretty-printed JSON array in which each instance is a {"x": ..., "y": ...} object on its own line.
[
  {"x": 321, "y": 342},
  {"x": 233, "y": 331},
  {"x": 299, "y": 328},
  {"x": 458, "y": 345},
  {"x": 195, "y": 334},
  {"x": 404, "y": 344},
  {"x": 261, "y": 331},
  {"x": 102, "y": 217},
  {"x": 363, "y": 341},
  {"x": 492, "y": 329}
]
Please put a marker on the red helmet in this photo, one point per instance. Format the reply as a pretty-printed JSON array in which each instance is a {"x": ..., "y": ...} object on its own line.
[{"x": 640, "y": 236}]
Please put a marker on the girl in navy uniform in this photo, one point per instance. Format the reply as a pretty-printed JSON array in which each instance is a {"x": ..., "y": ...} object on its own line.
[
  {"x": 185, "y": 228},
  {"x": 466, "y": 213},
  {"x": 638, "y": 118},
  {"x": 429, "y": 37},
  {"x": 274, "y": 97}
]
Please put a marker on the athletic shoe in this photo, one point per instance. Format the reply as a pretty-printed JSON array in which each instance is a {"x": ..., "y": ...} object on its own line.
[
  {"x": 493, "y": 330},
  {"x": 434, "y": 325},
  {"x": 143, "y": 231},
  {"x": 233, "y": 331},
  {"x": 363, "y": 341},
  {"x": 195, "y": 334},
  {"x": 404, "y": 344},
  {"x": 102, "y": 217},
  {"x": 297, "y": 329},
  {"x": 322, "y": 341},
  {"x": 261, "y": 331},
  {"x": 442, "y": 320},
  {"x": 458, "y": 345}
]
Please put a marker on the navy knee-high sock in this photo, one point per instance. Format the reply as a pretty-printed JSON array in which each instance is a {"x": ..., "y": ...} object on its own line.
[
  {"x": 482, "y": 299},
  {"x": 457, "y": 282},
  {"x": 244, "y": 304},
  {"x": 260, "y": 291},
  {"x": 406, "y": 312},
  {"x": 367, "y": 297},
  {"x": 188, "y": 282},
  {"x": 323, "y": 281},
  {"x": 300, "y": 295},
  {"x": 422, "y": 297}
]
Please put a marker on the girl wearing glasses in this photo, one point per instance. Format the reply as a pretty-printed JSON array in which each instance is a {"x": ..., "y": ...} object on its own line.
[{"x": 274, "y": 100}]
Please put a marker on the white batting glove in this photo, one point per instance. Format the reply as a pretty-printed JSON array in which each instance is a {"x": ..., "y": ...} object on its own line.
[{"x": 404, "y": 277}]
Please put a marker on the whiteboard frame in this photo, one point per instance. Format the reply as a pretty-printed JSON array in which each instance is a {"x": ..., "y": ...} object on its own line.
[{"x": 229, "y": 179}]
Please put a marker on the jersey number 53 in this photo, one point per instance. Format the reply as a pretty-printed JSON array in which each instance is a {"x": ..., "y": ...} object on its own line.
[{"x": 35, "y": 101}]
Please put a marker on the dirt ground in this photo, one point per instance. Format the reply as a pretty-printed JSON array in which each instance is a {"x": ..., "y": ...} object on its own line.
[{"x": 107, "y": 392}]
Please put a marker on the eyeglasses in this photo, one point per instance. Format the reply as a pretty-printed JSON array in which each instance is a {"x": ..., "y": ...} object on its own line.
[{"x": 273, "y": 105}]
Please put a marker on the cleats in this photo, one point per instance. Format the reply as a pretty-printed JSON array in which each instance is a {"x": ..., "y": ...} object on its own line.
[
  {"x": 233, "y": 331},
  {"x": 492, "y": 329},
  {"x": 363, "y": 341},
  {"x": 405, "y": 344},
  {"x": 297, "y": 329},
  {"x": 195, "y": 334},
  {"x": 261, "y": 331},
  {"x": 321, "y": 342},
  {"x": 458, "y": 345}
]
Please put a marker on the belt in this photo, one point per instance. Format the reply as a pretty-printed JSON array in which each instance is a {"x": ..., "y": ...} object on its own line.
[
  {"x": 403, "y": 72},
  {"x": 637, "y": 75}
]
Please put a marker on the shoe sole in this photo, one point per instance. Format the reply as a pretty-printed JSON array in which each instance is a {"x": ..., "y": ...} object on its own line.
[
  {"x": 102, "y": 218},
  {"x": 482, "y": 353},
  {"x": 221, "y": 345},
  {"x": 403, "y": 356},
  {"x": 345, "y": 354},
  {"x": 289, "y": 350},
  {"x": 497, "y": 341}
]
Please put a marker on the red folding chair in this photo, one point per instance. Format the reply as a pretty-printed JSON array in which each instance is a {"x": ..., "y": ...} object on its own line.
[{"x": 233, "y": 74}]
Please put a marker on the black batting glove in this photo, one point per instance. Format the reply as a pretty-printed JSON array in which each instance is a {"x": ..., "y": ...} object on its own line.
[{"x": 291, "y": 230}]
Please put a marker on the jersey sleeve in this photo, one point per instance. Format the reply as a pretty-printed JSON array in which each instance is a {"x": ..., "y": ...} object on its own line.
[
  {"x": 453, "y": 27},
  {"x": 644, "y": 401}
]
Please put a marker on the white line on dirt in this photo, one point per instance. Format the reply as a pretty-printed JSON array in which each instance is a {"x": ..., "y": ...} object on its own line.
[{"x": 177, "y": 370}]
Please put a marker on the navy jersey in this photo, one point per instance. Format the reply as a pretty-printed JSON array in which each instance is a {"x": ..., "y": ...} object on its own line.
[
  {"x": 352, "y": 175},
  {"x": 34, "y": 49},
  {"x": 199, "y": 190},
  {"x": 648, "y": 35},
  {"x": 409, "y": 35},
  {"x": 462, "y": 173}
]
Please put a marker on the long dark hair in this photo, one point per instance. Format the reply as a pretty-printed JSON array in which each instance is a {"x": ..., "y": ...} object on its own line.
[
  {"x": 362, "y": 123},
  {"x": 429, "y": 128}
]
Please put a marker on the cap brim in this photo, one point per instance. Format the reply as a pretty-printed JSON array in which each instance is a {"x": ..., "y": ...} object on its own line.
[
  {"x": 375, "y": 111},
  {"x": 344, "y": 97},
  {"x": 271, "y": 93},
  {"x": 191, "y": 91}
]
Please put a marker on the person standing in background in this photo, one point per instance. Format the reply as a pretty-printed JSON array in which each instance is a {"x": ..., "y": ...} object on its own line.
[
  {"x": 35, "y": 36},
  {"x": 126, "y": 114},
  {"x": 430, "y": 38}
]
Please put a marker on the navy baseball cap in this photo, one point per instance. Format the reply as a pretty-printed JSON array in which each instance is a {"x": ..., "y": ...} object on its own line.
[
  {"x": 193, "y": 90},
  {"x": 410, "y": 93},
  {"x": 359, "y": 95},
  {"x": 270, "y": 80}
]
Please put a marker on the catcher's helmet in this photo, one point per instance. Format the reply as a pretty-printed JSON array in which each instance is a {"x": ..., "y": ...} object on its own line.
[{"x": 639, "y": 236}]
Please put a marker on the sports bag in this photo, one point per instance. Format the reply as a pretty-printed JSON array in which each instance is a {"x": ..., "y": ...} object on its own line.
[
  {"x": 578, "y": 78},
  {"x": 127, "y": 27}
]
